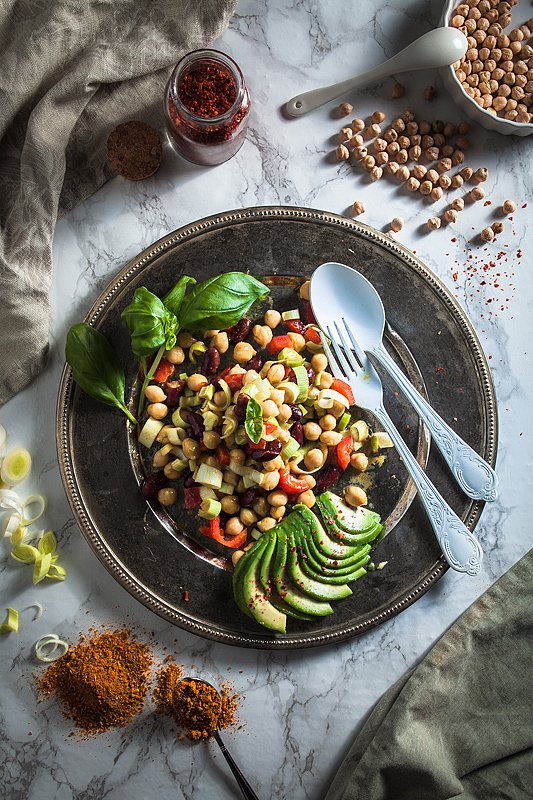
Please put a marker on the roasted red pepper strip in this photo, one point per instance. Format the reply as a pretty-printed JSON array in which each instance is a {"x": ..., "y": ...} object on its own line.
[
  {"x": 344, "y": 451},
  {"x": 164, "y": 371},
  {"x": 343, "y": 388},
  {"x": 290, "y": 484},
  {"x": 225, "y": 371},
  {"x": 312, "y": 335},
  {"x": 234, "y": 382},
  {"x": 222, "y": 455},
  {"x": 214, "y": 531},
  {"x": 276, "y": 345}
]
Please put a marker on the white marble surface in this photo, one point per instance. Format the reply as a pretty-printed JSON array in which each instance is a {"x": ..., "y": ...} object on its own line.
[{"x": 301, "y": 708}]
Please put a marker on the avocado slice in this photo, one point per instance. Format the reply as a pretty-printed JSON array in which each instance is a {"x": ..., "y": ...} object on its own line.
[
  {"x": 238, "y": 574},
  {"x": 327, "y": 563},
  {"x": 308, "y": 585},
  {"x": 351, "y": 526},
  {"x": 287, "y": 590},
  {"x": 326, "y": 544},
  {"x": 321, "y": 572},
  {"x": 254, "y": 594},
  {"x": 268, "y": 581}
]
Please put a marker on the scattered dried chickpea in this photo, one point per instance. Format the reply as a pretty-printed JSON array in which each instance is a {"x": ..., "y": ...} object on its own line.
[
  {"x": 358, "y": 208},
  {"x": 413, "y": 184},
  {"x": 368, "y": 162},
  {"x": 345, "y": 109},
  {"x": 476, "y": 193},
  {"x": 342, "y": 152},
  {"x": 377, "y": 117},
  {"x": 458, "y": 204},
  {"x": 450, "y": 215},
  {"x": 457, "y": 182},
  {"x": 403, "y": 173},
  {"x": 376, "y": 173},
  {"x": 358, "y": 125},
  {"x": 373, "y": 130},
  {"x": 397, "y": 224},
  {"x": 497, "y": 227},
  {"x": 487, "y": 234},
  {"x": 345, "y": 134},
  {"x": 436, "y": 193},
  {"x": 481, "y": 174},
  {"x": 398, "y": 91},
  {"x": 433, "y": 223},
  {"x": 426, "y": 188},
  {"x": 509, "y": 206},
  {"x": 430, "y": 93},
  {"x": 466, "y": 173}
]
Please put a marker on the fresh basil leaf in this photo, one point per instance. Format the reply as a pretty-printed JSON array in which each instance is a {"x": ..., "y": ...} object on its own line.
[
  {"x": 220, "y": 302},
  {"x": 96, "y": 368},
  {"x": 173, "y": 300},
  {"x": 253, "y": 422},
  {"x": 150, "y": 323}
]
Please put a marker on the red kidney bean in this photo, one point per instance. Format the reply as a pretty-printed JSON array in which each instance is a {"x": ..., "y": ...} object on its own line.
[
  {"x": 270, "y": 451},
  {"x": 248, "y": 498},
  {"x": 297, "y": 412},
  {"x": 153, "y": 483},
  {"x": 295, "y": 325},
  {"x": 173, "y": 390},
  {"x": 297, "y": 432},
  {"x": 255, "y": 363},
  {"x": 241, "y": 330},
  {"x": 211, "y": 361},
  {"x": 189, "y": 481},
  {"x": 196, "y": 422},
  {"x": 240, "y": 406},
  {"x": 326, "y": 481},
  {"x": 310, "y": 375}
]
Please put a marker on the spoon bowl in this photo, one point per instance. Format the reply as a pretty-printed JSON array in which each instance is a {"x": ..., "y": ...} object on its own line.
[
  {"x": 206, "y": 716},
  {"x": 338, "y": 291},
  {"x": 437, "y": 48}
]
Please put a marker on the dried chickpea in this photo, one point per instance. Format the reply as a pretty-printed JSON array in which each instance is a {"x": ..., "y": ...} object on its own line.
[
  {"x": 432, "y": 153},
  {"x": 436, "y": 193},
  {"x": 497, "y": 227},
  {"x": 402, "y": 156},
  {"x": 342, "y": 153},
  {"x": 345, "y": 134},
  {"x": 432, "y": 175},
  {"x": 434, "y": 223},
  {"x": 457, "y": 182},
  {"x": 345, "y": 109},
  {"x": 358, "y": 125},
  {"x": 403, "y": 173},
  {"x": 445, "y": 182},
  {"x": 355, "y": 496},
  {"x": 509, "y": 207},
  {"x": 377, "y": 117},
  {"x": 466, "y": 173},
  {"x": 444, "y": 165},
  {"x": 458, "y": 157},
  {"x": 426, "y": 188},
  {"x": 430, "y": 93},
  {"x": 458, "y": 204},
  {"x": 360, "y": 153},
  {"x": 408, "y": 116},
  {"x": 356, "y": 141},
  {"x": 404, "y": 142},
  {"x": 372, "y": 131},
  {"x": 380, "y": 145},
  {"x": 462, "y": 143},
  {"x": 476, "y": 193},
  {"x": 487, "y": 234},
  {"x": 397, "y": 224},
  {"x": 398, "y": 91},
  {"x": 243, "y": 352},
  {"x": 368, "y": 162},
  {"x": 392, "y": 167},
  {"x": 382, "y": 158},
  {"x": 398, "y": 125},
  {"x": 450, "y": 215},
  {"x": 481, "y": 174},
  {"x": 376, "y": 173},
  {"x": 358, "y": 208},
  {"x": 413, "y": 184},
  {"x": 415, "y": 152}
]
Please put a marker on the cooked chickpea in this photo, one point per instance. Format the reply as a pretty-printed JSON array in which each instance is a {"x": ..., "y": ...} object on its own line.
[
  {"x": 270, "y": 409},
  {"x": 355, "y": 496},
  {"x": 154, "y": 394},
  {"x": 243, "y": 352},
  {"x": 191, "y": 448},
  {"x": 312, "y": 431},
  {"x": 220, "y": 342},
  {"x": 278, "y": 512},
  {"x": 233, "y": 526},
  {"x": 330, "y": 438},
  {"x": 196, "y": 381},
  {"x": 175, "y": 355},
  {"x": 285, "y": 412},
  {"x": 328, "y": 422},
  {"x": 157, "y": 410},
  {"x": 319, "y": 362},
  {"x": 298, "y": 341},
  {"x": 230, "y": 504},
  {"x": 167, "y": 496},
  {"x": 326, "y": 380},
  {"x": 248, "y": 517},
  {"x": 211, "y": 439},
  {"x": 278, "y": 397},
  {"x": 171, "y": 473},
  {"x": 185, "y": 339},
  {"x": 314, "y": 458},
  {"x": 262, "y": 334},
  {"x": 236, "y": 556},
  {"x": 273, "y": 464},
  {"x": 276, "y": 373},
  {"x": 307, "y": 498},
  {"x": 272, "y": 318},
  {"x": 310, "y": 481},
  {"x": 359, "y": 462},
  {"x": 270, "y": 480},
  {"x": 283, "y": 435},
  {"x": 266, "y": 524},
  {"x": 261, "y": 507},
  {"x": 337, "y": 409},
  {"x": 160, "y": 458},
  {"x": 304, "y": 290}
]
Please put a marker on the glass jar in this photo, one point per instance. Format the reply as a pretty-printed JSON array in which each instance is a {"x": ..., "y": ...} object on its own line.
[{"x": 206, "y": 107}]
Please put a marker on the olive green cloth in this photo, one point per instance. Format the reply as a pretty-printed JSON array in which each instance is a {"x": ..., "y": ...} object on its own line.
[
  {"x": 461, "y": 723},
  {"x": 70, "y": 71}
]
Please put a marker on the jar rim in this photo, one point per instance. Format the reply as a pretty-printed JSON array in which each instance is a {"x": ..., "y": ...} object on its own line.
[{"x": 215, "y": 57}]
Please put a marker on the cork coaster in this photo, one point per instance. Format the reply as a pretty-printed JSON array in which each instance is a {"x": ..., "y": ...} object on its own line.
[{"x": 134, "y": 150}]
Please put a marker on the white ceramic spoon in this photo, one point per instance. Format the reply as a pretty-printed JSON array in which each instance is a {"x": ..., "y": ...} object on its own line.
[
  {"x": 341, "y": 291},
  {"x": 438, "y": 48}
]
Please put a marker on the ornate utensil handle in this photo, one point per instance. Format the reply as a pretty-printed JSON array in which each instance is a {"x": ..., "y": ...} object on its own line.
[
  {"x": 476, "y": 478},
  {"x": 244, "y": 786},
  {"x": 460, "y": 547}
]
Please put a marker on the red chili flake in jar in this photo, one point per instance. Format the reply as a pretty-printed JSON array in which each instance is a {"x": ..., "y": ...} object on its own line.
[{"x": 207, "y": 107}]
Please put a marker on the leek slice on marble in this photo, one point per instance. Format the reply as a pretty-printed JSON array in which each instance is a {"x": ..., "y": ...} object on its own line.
[
  {"x": 12, "y": 622},
  {"x": 15, "y": 466},
  {"x": 50, "y": 647}
]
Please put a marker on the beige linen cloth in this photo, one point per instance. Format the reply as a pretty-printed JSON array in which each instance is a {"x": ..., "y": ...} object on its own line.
[{"x": 71, "y": 71}]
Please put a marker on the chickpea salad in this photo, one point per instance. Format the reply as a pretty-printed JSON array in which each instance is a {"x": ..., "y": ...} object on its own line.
[{"x": 239, "y": 417}]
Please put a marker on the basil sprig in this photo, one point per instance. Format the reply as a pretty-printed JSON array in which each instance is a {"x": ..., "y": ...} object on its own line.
[
  {"x": 154, "y": 324},
  {"x": 96, "y": 368},
  {"x": 253, "y": 421}
]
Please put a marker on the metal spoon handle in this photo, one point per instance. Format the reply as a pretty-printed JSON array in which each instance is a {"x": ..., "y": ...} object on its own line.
[
  {"x": 460, "y": 547},
  {"x": 245, "y": 787},
  {"x": 437, "y": 48},
  {"x": 475, "y": 477}
]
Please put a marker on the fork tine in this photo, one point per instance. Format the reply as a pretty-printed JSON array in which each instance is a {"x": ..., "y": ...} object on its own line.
[
  {"x": 355, "y": 366},
  {"x": 340, "y": 356},
  {"x": 331, "y": 357},
  {"x": 359, "y": 354}
]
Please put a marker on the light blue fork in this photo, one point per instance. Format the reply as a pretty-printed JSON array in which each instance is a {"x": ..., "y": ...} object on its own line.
[{"x": 348, "y": 362}]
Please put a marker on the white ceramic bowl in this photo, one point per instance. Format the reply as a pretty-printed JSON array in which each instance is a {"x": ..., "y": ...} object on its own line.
[{"x": 469, "y": 106}]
